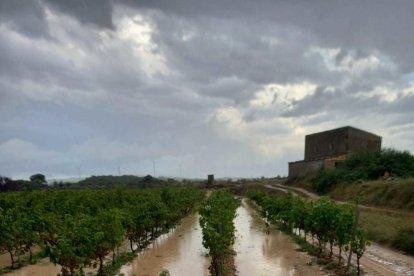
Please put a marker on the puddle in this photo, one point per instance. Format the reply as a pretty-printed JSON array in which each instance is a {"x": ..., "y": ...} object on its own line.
[
  {"x": 180, "y": 252},
  {"x": 260, "y": 254}
]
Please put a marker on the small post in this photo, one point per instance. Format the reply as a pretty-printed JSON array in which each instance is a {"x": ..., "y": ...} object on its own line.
[{"x": 210, "y": 180}]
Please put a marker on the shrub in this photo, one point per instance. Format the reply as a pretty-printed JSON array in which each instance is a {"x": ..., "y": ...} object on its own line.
[
  {"x": 326, "y": 179},
  {"x": 369, "y": 165},
  {"x": 405, "y": 240}
]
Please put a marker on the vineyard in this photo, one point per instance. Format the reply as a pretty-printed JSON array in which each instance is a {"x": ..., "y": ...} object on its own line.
[
  {"x": 109, "y": 231},
  {"x": 323, "y": 220},
  {"x": 217, "y": 215},
  {"x": 79, "y": 229}
]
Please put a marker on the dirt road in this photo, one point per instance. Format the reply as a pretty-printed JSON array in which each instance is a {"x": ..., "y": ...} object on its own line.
[{"x": 377, "y": 260}]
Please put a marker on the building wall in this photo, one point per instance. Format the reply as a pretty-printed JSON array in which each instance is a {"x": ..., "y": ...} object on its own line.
[
  {"x": 362, "y": 141},
  {"x": 303, "y": 168},
  {"x": 326, "y": 149},
  {"x": 341, "y": 141},
  {"x": 326, "y": 144}
]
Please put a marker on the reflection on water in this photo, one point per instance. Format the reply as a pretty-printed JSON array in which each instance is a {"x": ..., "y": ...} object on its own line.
[
  {"x": 180, "y": 252},
  {"x": 259, "y": 253}
]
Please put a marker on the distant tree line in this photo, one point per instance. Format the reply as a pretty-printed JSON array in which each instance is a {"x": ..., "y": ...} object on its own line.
[
  {"x": 36, "y": 182},
  {"x": 370, "y": 165}
]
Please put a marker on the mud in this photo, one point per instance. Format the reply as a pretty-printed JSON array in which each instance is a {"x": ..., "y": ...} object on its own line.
[
  {"x": 377, "y": 260},
  {"x": 5, "y": 260},
  {"x": 43, "y": 267},
  {"x": 180, "y": 252},
  {"x": 262, "y": 253}
]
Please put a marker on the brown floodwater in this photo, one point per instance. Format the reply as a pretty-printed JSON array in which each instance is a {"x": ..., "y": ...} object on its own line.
[
  {"x": 44, "y": 267},
  {"x": 259, "y": 253},
  {"x": 180, "y": 252}
]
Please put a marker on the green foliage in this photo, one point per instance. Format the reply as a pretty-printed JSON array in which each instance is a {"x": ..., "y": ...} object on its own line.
[
  {"x": 324, "y": 219},
  {"x": 326, "y": 179},
  {"x": 79, "y": 228},
  {"x": 395, "y": 194},
  {"x": 216, "y": 220},
  {"x": 405, "y": 240},
  {"x": 358, "y": 246},
  {"x": 113, "y": 267},
  {"x": 9, "y": 185},
  {"x": 165, "y": 272},
  {"x": 366, "y": 166},
  {"x": 38, "y": 179}
]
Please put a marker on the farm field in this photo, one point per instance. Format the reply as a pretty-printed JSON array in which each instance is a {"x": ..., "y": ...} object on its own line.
[
  {"x": 180, "y": 251},
  {"x": 178, "y": 244}
]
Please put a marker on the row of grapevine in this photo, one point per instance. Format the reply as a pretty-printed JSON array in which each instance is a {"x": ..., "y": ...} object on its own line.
[
  {"x": 81, "y": 228},
  {"x": 216, "y": 220},
  {"x": 324, "y": 220}
]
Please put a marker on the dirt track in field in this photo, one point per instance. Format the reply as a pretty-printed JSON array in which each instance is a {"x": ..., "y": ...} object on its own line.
[{"x": 377, "y": 260}]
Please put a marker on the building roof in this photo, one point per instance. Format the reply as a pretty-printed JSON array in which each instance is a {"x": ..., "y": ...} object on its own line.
[{"x": 346, "y": 128}]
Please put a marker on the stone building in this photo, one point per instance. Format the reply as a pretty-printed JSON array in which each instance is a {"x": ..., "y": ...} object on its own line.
[{"x": 325, "y": 149}]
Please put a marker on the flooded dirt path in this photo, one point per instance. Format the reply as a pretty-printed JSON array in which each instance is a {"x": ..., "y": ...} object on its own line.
[
  {"x": 259, "y": 253},
  {"x": 377, "y": 260},
  {"x": 180, "y": 252}
]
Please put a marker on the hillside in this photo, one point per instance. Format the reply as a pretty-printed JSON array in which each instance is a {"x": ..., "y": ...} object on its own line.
[{"x": 393, "y": 193}]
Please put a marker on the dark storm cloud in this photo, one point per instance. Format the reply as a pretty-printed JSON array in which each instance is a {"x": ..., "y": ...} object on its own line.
[
  {"x": 337, "y": 101},
  {"x": 27, "y": 17},
  {"x": 124, "y": 82},
  {"x": 367, "y": 24},
  {"x": 96, "y": 12}
]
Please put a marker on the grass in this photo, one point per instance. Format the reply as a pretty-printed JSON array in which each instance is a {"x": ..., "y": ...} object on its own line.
[
  {"x": 392, "y": 226},
  {"x": 395, "y": 194},
  {"x": 389, "y": 229}
]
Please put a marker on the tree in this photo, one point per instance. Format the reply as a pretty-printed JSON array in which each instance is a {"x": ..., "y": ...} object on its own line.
[
  {"x": 358, "y": 245},
  {"x": 4, "y": 183},
  {"x": 38, "y": 179}
]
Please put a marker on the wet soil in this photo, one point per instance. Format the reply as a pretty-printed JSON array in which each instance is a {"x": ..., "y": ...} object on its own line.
[
  {"x": 180, "y": 252},
  {"x": 261, "y": 251},
  {"x": 43, "y": 267},
  {"x": 377, "y": 260},
  {"x": 258, "y": 252}
]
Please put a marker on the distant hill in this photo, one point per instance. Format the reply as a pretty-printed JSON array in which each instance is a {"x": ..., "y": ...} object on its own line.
[{"x": 110, "y": 181}]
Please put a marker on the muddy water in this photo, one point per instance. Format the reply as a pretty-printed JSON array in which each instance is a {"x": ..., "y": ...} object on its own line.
[
  {"x": 259, "y": 253},
  {"x": 43, "y": 267},
  {"x": 180, "y": 252}
]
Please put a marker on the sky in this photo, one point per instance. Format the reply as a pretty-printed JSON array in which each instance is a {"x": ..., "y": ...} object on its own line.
[{"x": 230, "y": 87}]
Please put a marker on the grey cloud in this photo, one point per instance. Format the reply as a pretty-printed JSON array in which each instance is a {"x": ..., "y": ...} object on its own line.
[
  {"x": 73, "y": 82},
  {"x": 366, "y": 25},
  {"x": 96, "y": 12},
  {"x": 27, "y": 17},
  {"x": 324, "y": 100}
]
